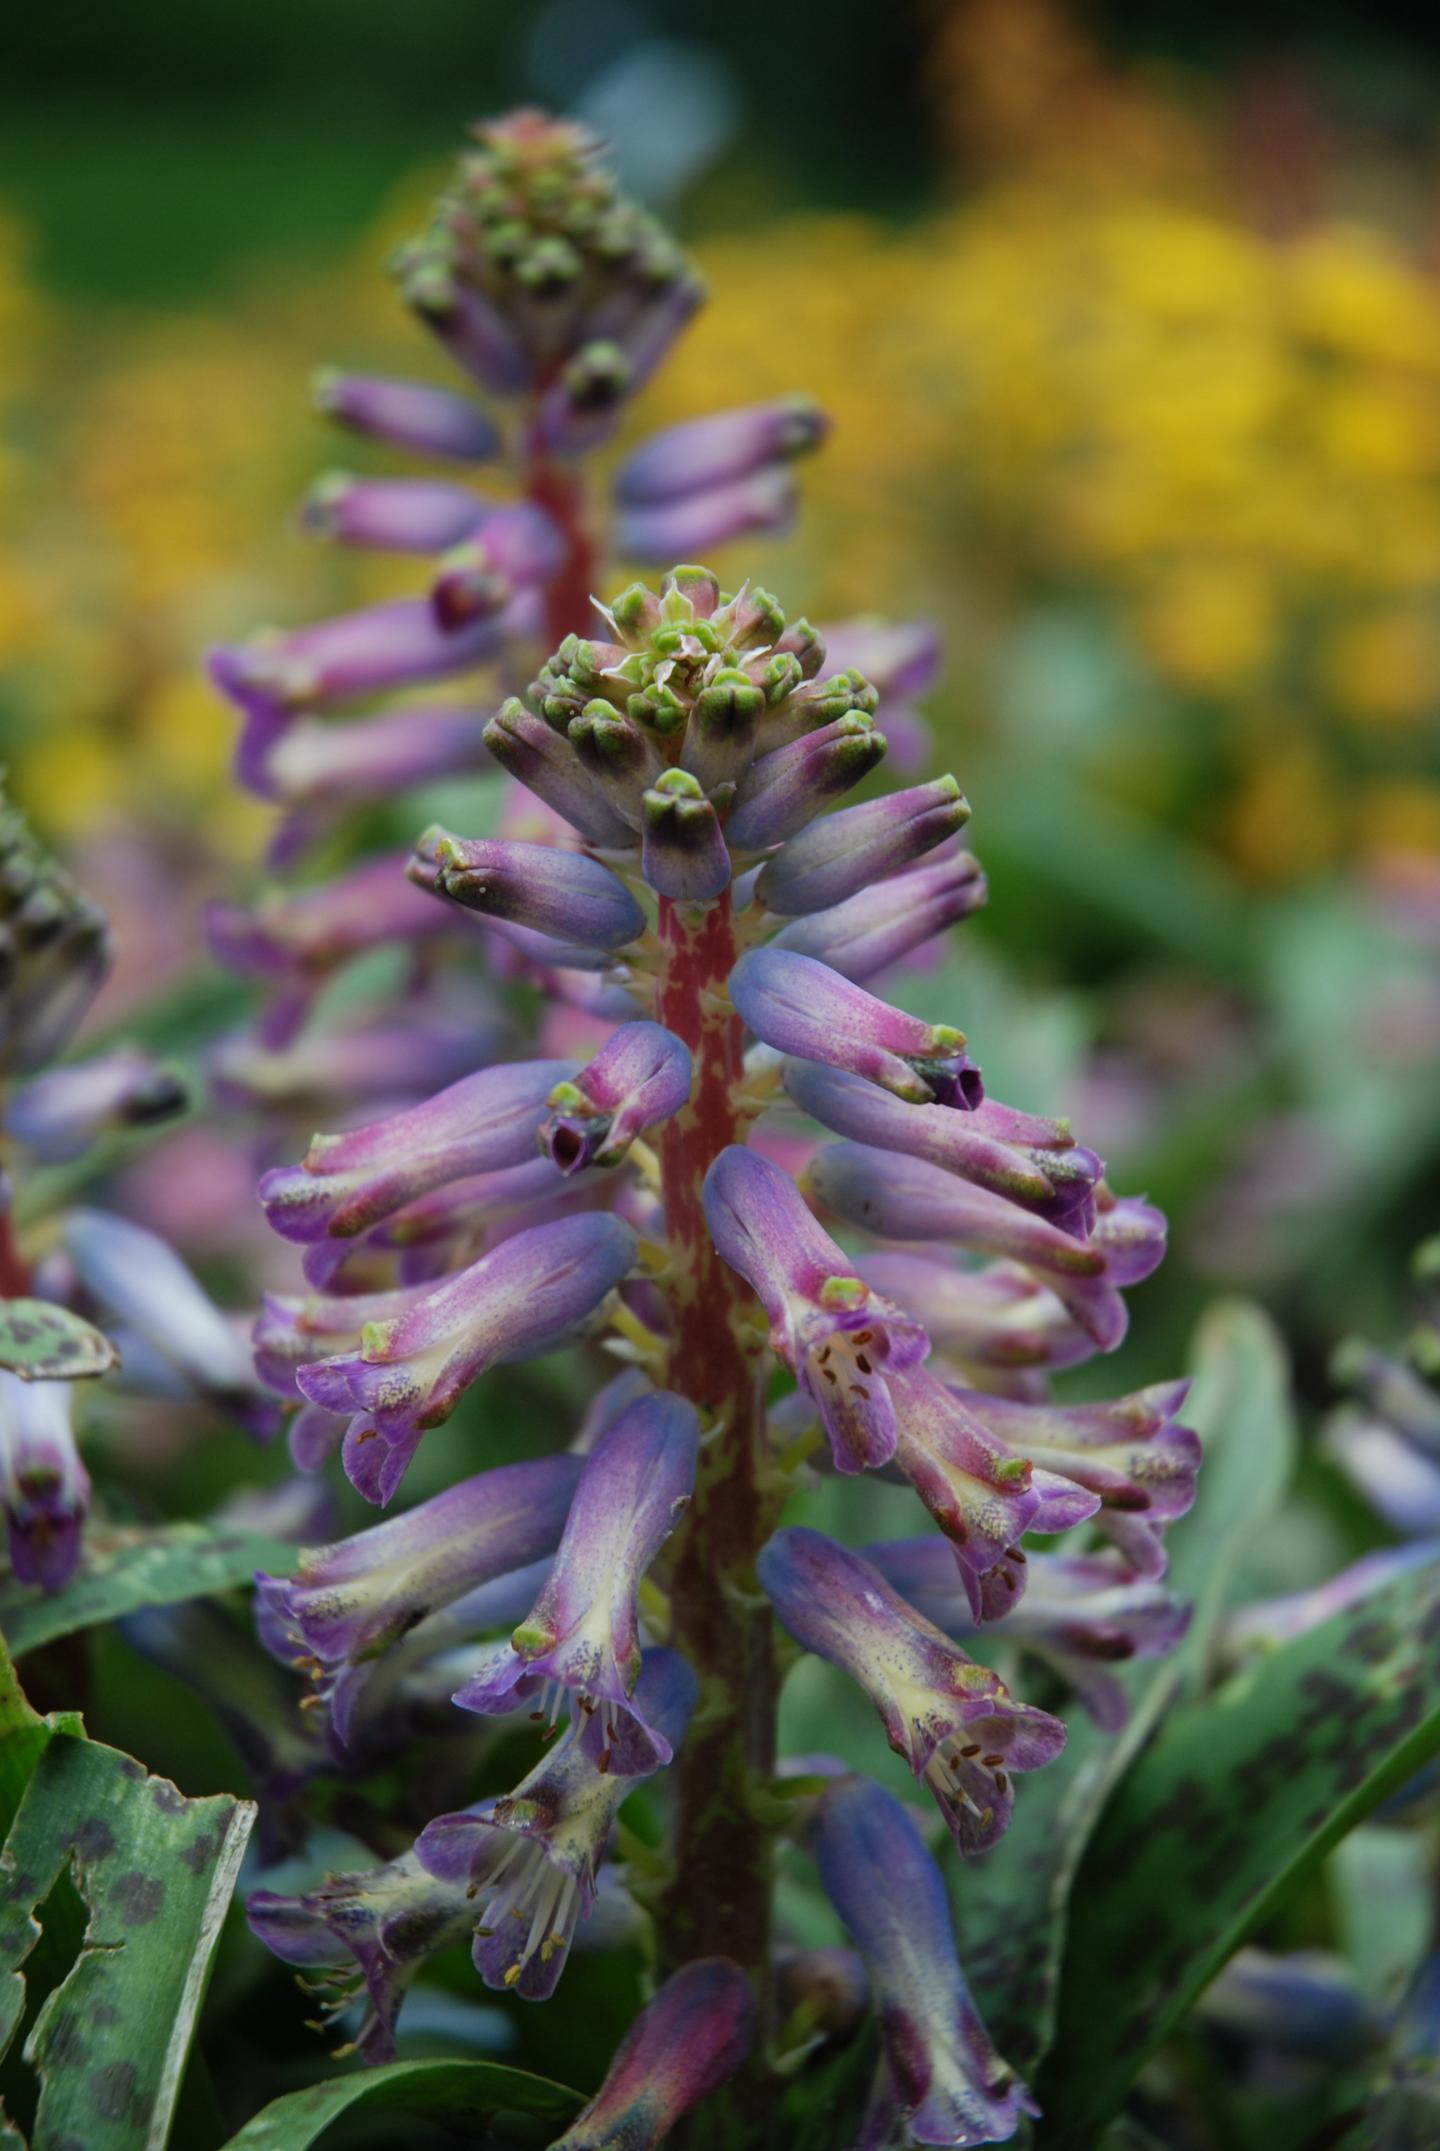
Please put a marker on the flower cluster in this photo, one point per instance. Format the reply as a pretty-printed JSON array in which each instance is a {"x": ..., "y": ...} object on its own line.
[
  {"x": 62, "y": 1272},
  {"x": 677, "y": 871}
]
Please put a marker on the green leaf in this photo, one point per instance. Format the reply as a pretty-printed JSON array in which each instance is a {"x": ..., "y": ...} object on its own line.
[
  {"x": 1238, "y": 1797},
  {"x": 125, "y": 1569},
  {"x": 24, "y": 1737},
  {"x": 44, "y": 1343},
  {"x": 460, "y": 2091},
  {"x": 154, "y": 1872},
  {"x": 1012, "y": 1906}
]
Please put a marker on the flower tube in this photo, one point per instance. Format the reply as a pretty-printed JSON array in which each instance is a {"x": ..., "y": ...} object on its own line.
[
  {"x": 582, "y": 1634},
  {"x": 955, "y": 1722},
  {"x": 561, "y": 893},
  {"x": 844, "y": 853},
  {"x": 942, "y": 2081},
  {"x": 877, "y": 927},
  {"x": 640, "y": 1077},
  {"x": 682, "y": 2046},
  {"x": 803, "y": 1008}
]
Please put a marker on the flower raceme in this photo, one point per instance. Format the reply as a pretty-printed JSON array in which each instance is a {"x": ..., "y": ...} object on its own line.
[{"x": 681, "y": 874}]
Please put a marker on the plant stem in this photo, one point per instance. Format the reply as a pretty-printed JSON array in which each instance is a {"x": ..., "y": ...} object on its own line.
[
  {"x": 719, "y": 1903},
  {"x": 560, "y": 491}
]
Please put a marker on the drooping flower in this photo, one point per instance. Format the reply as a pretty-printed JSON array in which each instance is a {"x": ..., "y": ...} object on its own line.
[
  {"x": 803, "y": 1008},
  {"x": 409, "y": 1373},
  {"x": 563, "y": 894},
  {"x": 345, "y": 1183},
  {"x": 528, "y": 1862},
  {"x": 876, "y": 927},
  {"x": 843, "y": 853},
  {"x": 44, "y": 1487},
  {"x": 640, "y": 1077},
  {"x": 955, "y": 1722},
  {"x": 1081, "y": 1613},
  {"x": 941, "y": 2080},
  {"x": 582, "y": 1635},
  {"x": 349, "y": 1601},
  {"x": 59, "y": 1114},
  {"x": 841, "y": 1341},
  {"x": 682, "y": 2046},
  {"x": 367, "y": 1931}
]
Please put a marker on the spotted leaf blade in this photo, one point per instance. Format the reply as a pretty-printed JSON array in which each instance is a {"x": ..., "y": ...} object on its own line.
[
  {"x": 1012, "y": 1906},
  {"x": 154, "y": 1873},
  {"x": 44, "y": 1343},
  {"x": 1238, "y": 1797},
  {"x": 125, "y": 1569}
]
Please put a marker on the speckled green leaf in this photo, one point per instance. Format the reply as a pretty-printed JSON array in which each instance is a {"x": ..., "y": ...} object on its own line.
[
  {"x": 1235, "y": 1799},
  {"x": 154, "y": 1872},
  {"x": 1011, "y": 1906},
  {"x": 452, "y": 2091},
  {"x": 125, "y": 1569},
  {"x": 24, "y": 1737},
  {"x": 44, "y": 1343}
]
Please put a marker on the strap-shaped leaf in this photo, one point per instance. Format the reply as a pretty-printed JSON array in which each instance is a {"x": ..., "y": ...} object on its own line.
[
  {"x": 126, "y": 1569},
  {"x": 24, "y": 1737},
  {"x": 1236, "y": 1799},
  {"x": 453, "y": 2091},
  {"x": 1011, "y": 1906},
  {"x": 44, "y": 1343},
  {"x": 155, "y": 1873}
]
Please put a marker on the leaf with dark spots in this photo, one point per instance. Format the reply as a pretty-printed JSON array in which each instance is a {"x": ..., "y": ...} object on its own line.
[
  {"x": 1013, "y": 1902},
  {"x": 108, "y": 2043},
  {"x": 1152, "y": 1923},
  {"x": 42, "y": 1342},
  {"x": 125, "y": 1569},
  {"x": 463, "y": 2094}
]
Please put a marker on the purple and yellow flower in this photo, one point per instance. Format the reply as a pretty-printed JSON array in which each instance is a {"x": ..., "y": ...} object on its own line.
[
  {"x": 955, "y": 1722},
  {"x": 582, "y": 1636},
  {"x": 640, "y": 1077},
  {"x": 410, "y": 1372},
  {"x": 941, "y": 2080},
  {"x": 527, "y": 1862},
  {"x": 840, "y": 1340}
]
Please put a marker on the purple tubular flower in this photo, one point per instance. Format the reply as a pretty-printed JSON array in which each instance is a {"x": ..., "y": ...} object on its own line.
[
  {"x": 528, "y": 1861},
  {"x": 842, "y": 1342},
  {"x": 346, "y": 1183},
  {"x": 787, "y": 788},
  {"x": 981, "y": 1495},
  {"x": 1081, "y": 1614},
  {"x": 560, "y": 893},
  {"x": 1271, "y": 1622},
  {"x": 997, "y": 1318},
  {"x": 955, "y": 1722},
  {"x": 522, "y": 1298},
  {"x": 582, "y": 1634},
  {"x": 403, "y": 515},
  {"x": 683, "y": 854},
  {"x": 452, "y": 1224},
  {"x": 844, "y": 853},
  {"x": 531, "y": 751},
  {"x": 899, "y": 658},
  {"x": 463, "y": 320},
  {"x": 1029, "y": 1161},
  {"x": 876, "y": 928},
  {"x": 361, "y": 1063},
  {"x": 689, "y": 527},
  {"x": 325, "y": 764},
  {"x": 44, "y": 1486},
  {"x": 143, "y": 1285},
  {"x": 942, "y": 2076},
  {"x": 1393, "y": 1390},
  {"x": 1398, "y": 1480},
  {"x": 291, "y": 1332},
  {"x": 904, "y": 1198},
  {"x": 308, "y": 932},
  {"x": 354, "y": 655},
  {"x": 802, "y": 1007},
  {"x": 515, "y": 547},
  {"x": 720, "y": 736},
  {"x": 1132, "y": 1453},
  {"x": 718, "y": 450},
  {"x": 640, "y": 1076},
  {"x": 372, "y": 1931},
  {"x": 350, "y": 1601},
  {"x": 59, "y": 1114},
  {"x": 683, "y": 2045},
  {"x": 428, "y": 421}
]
